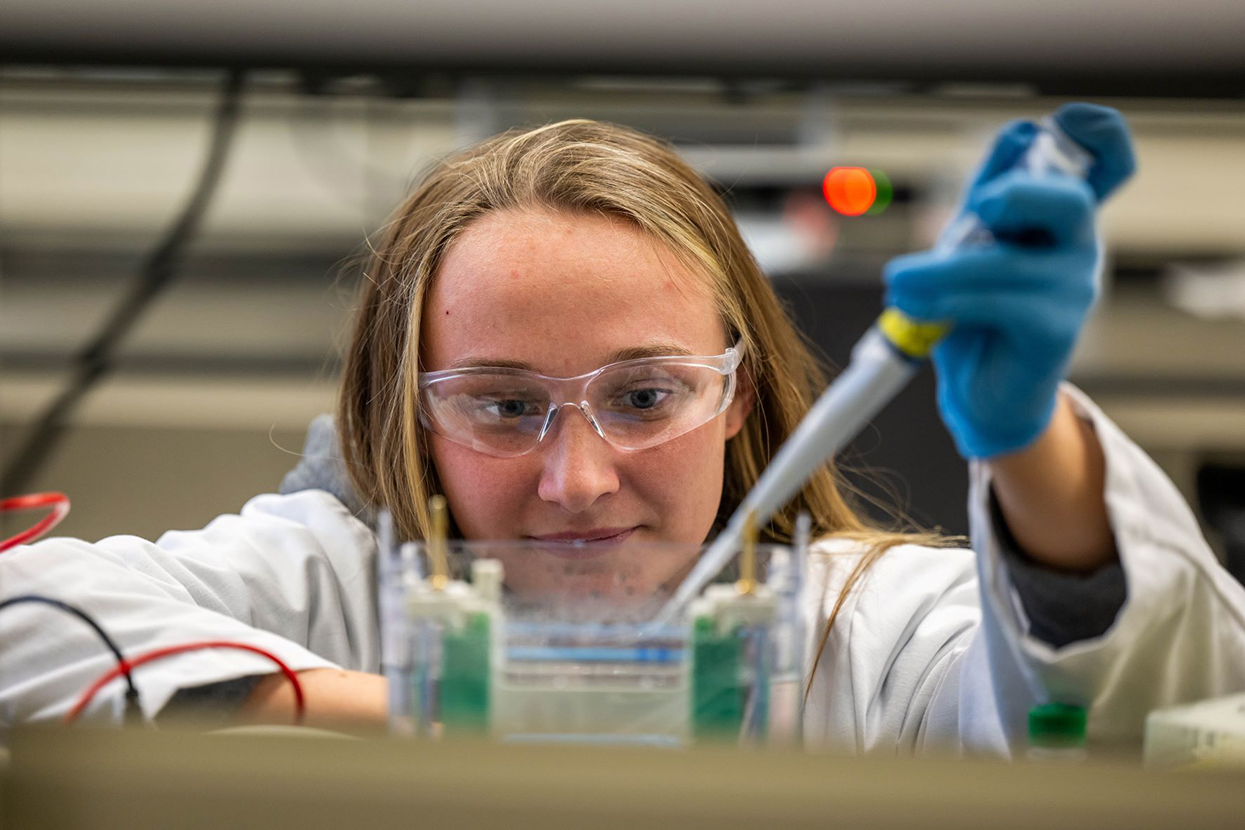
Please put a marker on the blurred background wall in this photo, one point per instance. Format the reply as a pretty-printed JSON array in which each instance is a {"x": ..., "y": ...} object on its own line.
[{"x": 107, "y": 113}]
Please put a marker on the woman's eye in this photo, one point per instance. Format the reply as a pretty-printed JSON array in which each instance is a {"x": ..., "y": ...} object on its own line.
[
  {"x": 507, "y": 408},
  {"x": 648, "y": 400},
  {"x": 644, "y": 398}
]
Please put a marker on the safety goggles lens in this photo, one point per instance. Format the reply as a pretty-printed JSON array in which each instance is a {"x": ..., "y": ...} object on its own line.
[{"x": 634, "y": 405}]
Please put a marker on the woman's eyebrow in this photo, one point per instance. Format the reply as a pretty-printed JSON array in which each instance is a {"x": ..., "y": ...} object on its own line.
[
  {"x": 629, "y": 353},
  {"x": 651, "y": 350},
  {"x": 489, "y": 363}
]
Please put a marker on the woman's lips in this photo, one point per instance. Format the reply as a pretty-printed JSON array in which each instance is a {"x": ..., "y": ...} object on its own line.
[{"x": 583, "y": 545}]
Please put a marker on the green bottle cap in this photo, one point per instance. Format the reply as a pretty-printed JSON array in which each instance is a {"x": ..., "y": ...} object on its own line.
[{"x": 1057, "y": 725}]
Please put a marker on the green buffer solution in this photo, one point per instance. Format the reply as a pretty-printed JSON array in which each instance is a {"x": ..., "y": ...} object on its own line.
[
  {"x": 718, "y": 695},
  {"x": 464, "y": 693}
]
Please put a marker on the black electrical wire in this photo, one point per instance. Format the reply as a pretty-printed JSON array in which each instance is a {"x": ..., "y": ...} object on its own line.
[
  {"x": 131, "y": 691},
  {"x": 96, "y": 360}
]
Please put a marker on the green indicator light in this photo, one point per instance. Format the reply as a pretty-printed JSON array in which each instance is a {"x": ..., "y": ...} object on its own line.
[{"x": 885, "y": 193}]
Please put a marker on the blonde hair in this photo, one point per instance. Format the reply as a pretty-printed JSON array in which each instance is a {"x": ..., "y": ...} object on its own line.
[{"x": 578, "y": 166}]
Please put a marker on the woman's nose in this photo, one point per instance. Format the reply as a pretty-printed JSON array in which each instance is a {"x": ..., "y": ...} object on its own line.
[{"x": 578, "y": 463}]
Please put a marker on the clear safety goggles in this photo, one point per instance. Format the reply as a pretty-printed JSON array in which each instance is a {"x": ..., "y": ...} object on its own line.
[{"x": 633, "y": 404}]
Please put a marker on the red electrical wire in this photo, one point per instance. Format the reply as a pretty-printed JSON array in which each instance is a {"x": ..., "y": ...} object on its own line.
[
  {"x": 59, "y": 503},
  {"x": 160, "y": 653}
]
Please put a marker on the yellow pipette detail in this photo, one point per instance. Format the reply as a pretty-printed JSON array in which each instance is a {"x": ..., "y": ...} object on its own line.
[
  {"x": 912, "y": 337},
  {"x": 747, "y": 584},
  {"x": 437, "y": 558}
]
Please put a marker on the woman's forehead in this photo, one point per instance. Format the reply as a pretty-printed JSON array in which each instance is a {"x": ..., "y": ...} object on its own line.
[{"x": 563, "y": 291}]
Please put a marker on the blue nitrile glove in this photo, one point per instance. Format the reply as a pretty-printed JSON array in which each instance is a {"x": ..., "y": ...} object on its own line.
[{"x": 1016, "y": 305}]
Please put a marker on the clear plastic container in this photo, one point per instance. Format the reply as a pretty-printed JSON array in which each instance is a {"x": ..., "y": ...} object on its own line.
[{"x": 556, "y": 643}]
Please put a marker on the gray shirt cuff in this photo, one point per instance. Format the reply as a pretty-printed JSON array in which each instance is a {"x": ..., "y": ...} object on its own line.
[{"x": 1062, "y": 608}]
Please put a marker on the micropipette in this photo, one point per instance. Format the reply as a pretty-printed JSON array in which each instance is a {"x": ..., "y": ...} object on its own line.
[{"x": 885, "y": 359}]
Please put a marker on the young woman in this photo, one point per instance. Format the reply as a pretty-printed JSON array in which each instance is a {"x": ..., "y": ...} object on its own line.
[{"x": 572, "y": 262}]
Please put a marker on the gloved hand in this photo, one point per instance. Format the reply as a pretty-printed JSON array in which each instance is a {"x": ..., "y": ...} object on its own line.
[{"x": 1016, "y": 305}]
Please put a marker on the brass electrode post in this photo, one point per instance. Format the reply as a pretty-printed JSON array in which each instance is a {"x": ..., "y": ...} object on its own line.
[
  {"x": 747, "y": 584},
  {"x": 437, "y": 558}
]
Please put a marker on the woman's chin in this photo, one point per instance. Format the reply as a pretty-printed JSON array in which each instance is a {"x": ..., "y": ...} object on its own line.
[
  {"x": 599, "y": 578},
  {"x": 630, "y": 577}
]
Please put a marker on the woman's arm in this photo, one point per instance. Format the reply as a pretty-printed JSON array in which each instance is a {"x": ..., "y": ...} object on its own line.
[
  {"x": 1178, "y": 636},
  {"x": 334, "y": 698},
  {"x": 1015, "y": 308},
  {"x": 292, "y": 575},
  {"x": 1051, "y": 495}
]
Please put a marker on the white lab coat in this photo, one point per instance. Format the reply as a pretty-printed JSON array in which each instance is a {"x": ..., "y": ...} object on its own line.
[{"x": 930, "y": 653}]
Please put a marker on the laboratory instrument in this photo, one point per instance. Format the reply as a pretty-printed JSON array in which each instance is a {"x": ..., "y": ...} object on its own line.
[
  {"x": 1206, "y": 733},
  {"x": 885, "y": 359},
  {"x": 530, "y": 642}
]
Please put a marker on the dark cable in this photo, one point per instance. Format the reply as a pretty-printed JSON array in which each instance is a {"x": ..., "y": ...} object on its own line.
[
  {"x": 96, "y": 360},
  {"x": 131, "y": 691}
]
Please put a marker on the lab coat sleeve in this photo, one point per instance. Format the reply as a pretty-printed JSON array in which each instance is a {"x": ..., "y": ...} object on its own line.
[
  {"x": 1179, "y": 635},
  {"x": 891, "y": 663},
  {"x": 290, "y": 574}
]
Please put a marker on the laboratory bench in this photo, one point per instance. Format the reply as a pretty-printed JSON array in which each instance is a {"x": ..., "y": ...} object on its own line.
[{"x": 104, "y": 778}]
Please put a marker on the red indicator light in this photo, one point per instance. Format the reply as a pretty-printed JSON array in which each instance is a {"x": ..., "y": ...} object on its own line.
[{"x": 849, "y": 190}]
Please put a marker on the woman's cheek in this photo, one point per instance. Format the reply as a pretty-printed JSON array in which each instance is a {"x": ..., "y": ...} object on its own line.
[
  {"x": 679, "y": 483},
  {"x": 683, "y": 480},
  {"x": 484, "y": 493}
]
